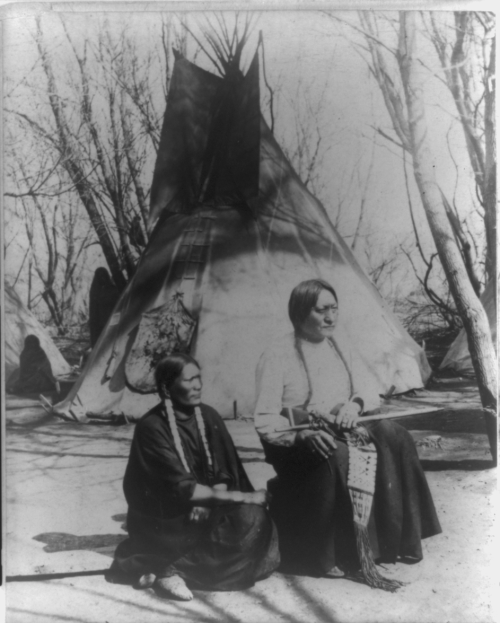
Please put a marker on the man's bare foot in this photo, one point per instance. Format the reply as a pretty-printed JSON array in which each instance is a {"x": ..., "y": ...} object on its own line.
[{"x": 173, "y": 587}]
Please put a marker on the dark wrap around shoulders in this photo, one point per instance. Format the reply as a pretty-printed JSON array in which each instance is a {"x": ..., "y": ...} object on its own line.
[{"x": 157, "y": 484}]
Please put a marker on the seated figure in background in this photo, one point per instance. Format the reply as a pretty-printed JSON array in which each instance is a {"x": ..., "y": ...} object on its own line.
[
  {"x": 35, "y": 372},
  {"x": 103, "y": 297},
  {"x": 311, "y": 497},
  {"x": 193, "y": 514}
]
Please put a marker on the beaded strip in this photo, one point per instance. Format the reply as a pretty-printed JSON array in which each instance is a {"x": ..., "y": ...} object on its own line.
[
  {"x": 169, "y": 408},
  {"x": 201, "y": 427}
]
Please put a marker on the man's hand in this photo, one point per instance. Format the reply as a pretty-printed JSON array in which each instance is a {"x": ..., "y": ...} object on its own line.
[
  {"x": 322, "y": 415},
  {"x": 348, "y": 415},
  {"x": 199, "y": 514},
  {"x": 318, "y": 442}
]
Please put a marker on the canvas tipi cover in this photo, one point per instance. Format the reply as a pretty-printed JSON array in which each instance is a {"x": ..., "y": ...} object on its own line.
[
  {"x": 233, "y": 231},
  {"x": 458, "y": 356},
  {"x": 19, "y": 323}
]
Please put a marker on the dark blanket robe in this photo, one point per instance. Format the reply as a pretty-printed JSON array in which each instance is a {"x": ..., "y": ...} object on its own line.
[
  {"x": 312, "y": 509},
  {"x": 103, "y": 297},
  {"x": 236, "y": 546}
]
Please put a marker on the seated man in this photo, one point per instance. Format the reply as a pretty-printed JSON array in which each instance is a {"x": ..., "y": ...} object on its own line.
[
  {"x": 193, "y": 514},
  {"x": 325, "y": 492}
]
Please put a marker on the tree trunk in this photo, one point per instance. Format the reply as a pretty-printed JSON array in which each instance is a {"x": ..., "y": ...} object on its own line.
[
  {"x": 133, "y": 162},
  {"x": 86, "y": 196},
  {"x": 468, "y": 304},
  {"x": 490, "y": 172},
  {"x": 29, "y": 283},
  {"x": 69, "y": 152}
]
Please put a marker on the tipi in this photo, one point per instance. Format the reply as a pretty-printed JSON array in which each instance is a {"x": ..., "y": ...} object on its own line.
[
  {"x": 233, "y": 231},
  {"x": 19, "y": 323},
  {"x": 458, "y": 356}
]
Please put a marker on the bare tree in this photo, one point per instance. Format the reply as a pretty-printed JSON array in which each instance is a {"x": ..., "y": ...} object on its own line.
[
  {"x": 442, "y": 305},
  {"x": 400, "y": 73},
  {"x": 468, "y": 57},
  {"x": 307, "y": 147},
  {"x": 468, "y": 304},
  {"x": 67, "y": 144},
  {"x": 462, "y": 64},
  {"x": 57, "y": 242},
  {"x": 99, "y": 119}
]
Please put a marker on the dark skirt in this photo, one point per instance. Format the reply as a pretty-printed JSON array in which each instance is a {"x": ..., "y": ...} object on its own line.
[
  {"x": 234, "y": 548},
  {"x": 312, "y": 510},
  {"x": 36, "y": 383}
]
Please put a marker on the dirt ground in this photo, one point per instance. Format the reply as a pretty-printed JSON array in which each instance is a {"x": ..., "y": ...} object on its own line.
[{"x": 65, "y": 513}]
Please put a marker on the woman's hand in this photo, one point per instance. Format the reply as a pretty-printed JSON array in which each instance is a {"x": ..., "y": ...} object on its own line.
[
  {"x": 260, "y": 497},
  {"x": 199, "y": 514},
  {"x": 348, "y": 415},
  {"x": 204, "y": 497},
  {"x": 318, "y": 442}
]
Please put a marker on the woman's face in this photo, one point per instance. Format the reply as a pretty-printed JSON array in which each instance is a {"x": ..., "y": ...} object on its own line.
[
  {"x": 186, "y": 389},
  {"x": 322, "y": 318}
]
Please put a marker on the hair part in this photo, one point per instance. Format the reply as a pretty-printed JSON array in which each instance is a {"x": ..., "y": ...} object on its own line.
[
  {"x": 304, "y": 297},
  {"x": 169, "y": 369}
]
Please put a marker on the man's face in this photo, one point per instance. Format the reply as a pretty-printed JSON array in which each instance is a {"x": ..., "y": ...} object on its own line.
[
  {"x": 322, "y": 318},
  {"x": 186, "y": 389}
]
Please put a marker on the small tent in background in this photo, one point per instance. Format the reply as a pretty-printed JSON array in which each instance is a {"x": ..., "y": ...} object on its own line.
[
  {"x": 19, "y": 323},
  {"x": 458, "y": 357},
  {"x": 233, "y": 231}
]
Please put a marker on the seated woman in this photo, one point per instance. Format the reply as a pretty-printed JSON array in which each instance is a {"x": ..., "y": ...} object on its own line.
[
  {"x": 311, "y": 501},
  {"x": 35, "y": 372},
  {"x": 193, "y": 515}
]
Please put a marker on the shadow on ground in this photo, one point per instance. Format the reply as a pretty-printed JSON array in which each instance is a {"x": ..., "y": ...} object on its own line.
[
  {"x": 99, "y": 543},
  {"x": 290, "y": 601},
  {"x": 64, "y": 542}
]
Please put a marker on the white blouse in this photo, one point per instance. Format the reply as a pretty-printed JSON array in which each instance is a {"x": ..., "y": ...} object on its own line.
[{"x": 282, "y": 381}]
